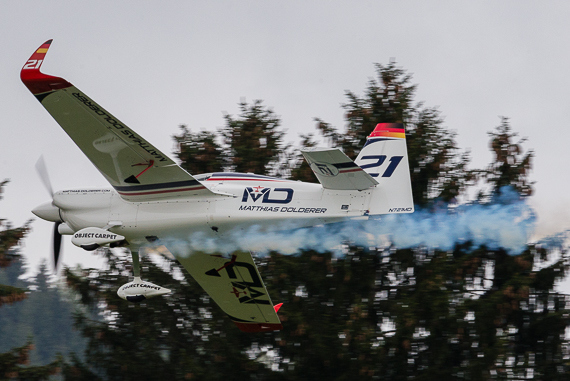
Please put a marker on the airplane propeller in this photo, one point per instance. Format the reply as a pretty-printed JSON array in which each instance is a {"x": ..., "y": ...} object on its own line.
[
  {"x": 44, "y": 176},
  {"x": 56, "y": 248},
  {"x": 49, "y": 211}
]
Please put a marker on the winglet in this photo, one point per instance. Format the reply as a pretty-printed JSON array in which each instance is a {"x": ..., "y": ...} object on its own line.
[
  {"x": 277, "y": 307},
  {"x": 38, "y": 83}
]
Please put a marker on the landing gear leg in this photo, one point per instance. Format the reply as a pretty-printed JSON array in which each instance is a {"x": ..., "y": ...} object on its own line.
[{"x": 136, "y": 266}]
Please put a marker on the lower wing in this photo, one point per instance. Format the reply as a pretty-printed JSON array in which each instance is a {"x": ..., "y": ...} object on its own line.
[{"x": 236, "y": 286}]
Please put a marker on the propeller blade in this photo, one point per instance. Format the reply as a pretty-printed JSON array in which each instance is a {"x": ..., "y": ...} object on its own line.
[
  {"x": 56, "y": 245},
  {"x": 44, "y": 176},
  {"x": 42, "y": 210}
]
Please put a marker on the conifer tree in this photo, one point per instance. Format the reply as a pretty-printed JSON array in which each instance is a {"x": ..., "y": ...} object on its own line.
[
  {"x": 254, "y": 139},
  {"x": 511, "y": 165},
  {"x": 438, "y": 169},
  {"x": 301, "y": 170},
  {"x": 472, "y": 312},
  {"x": 199, "y": 152},
  {"x": 177, "y": 337},
  {"x": 13, "y": 364}
]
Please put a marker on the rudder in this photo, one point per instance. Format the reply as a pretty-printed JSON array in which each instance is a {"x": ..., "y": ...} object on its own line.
[{"x": 385, "y": 158}]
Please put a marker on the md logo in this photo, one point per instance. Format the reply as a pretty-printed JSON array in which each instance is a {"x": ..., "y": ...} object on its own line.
[{"x": 268, "y": 195}]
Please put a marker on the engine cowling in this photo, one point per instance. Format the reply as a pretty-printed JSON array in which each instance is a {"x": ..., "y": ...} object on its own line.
[{"x": 139, "y": 290}]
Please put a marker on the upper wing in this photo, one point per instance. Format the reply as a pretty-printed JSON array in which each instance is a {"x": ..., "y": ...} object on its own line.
[
  {"x": 236, "y": 286},
  {"x": 335, "y": 170},
  {"x": 133, "y": 166}
]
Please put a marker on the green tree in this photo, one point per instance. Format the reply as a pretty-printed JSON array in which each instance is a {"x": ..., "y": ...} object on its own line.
[
  {"x": 48, "y": 315},
  {"x": 471, "y": 312},
  {"x": 438, "y": 169},
  {"x": 301, "y": 170},
  {"x": 45, "y": 315},
  {"x": 254, "y": 139},
  {"x": 199, "y": 152},
  {"x": 13, "y": 364},
  {"x": 387, "y": 99},
  {"x": 511, "y": 165},
  {"x": 181, "y": 336},
  {"x": 468, "y": 313}
]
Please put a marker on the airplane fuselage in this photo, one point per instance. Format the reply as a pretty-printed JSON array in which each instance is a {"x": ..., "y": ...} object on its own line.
[{"x": 242, "y": 201}]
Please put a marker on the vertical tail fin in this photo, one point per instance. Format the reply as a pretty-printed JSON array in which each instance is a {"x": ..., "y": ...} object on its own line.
[{"x": 385, "y": 158}]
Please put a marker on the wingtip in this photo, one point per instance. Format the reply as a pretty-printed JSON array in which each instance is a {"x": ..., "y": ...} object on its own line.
[
  {"x": 34, "y": 79},
  {"x": 277, "y": 307}
]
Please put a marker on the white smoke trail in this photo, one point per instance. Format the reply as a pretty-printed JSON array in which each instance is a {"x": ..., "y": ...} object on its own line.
[{"x": 507, "y": 222}]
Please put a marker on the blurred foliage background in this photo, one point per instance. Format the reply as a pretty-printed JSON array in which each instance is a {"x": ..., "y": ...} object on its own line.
[{"x": 387, "y": 313}]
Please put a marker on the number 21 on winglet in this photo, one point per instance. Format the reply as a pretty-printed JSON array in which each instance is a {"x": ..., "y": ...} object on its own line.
[{"x": 33, "y": 64}]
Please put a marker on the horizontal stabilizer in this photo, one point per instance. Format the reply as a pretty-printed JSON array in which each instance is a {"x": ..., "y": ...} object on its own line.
[{"x": 335, "y": 170}]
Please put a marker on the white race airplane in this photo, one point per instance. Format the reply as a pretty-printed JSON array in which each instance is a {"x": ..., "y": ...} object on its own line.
[{"x": 154, "y": 201}]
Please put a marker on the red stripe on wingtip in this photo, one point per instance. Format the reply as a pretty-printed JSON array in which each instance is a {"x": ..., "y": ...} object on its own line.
[
  {"x": 277, "y": 307},
  {"x": 258, "y": 327},
  {"x": 36, "y": 81}
]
